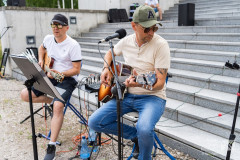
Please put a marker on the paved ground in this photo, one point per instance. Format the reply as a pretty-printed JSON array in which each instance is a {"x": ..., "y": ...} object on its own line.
[{"x": 16, "y": 138}]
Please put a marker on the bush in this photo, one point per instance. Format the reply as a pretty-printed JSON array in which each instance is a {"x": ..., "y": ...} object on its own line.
[{"x": 0, "y": 52}]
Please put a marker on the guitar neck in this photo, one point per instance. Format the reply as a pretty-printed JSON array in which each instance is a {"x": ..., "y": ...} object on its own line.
[{"x": 47, "y": 69}]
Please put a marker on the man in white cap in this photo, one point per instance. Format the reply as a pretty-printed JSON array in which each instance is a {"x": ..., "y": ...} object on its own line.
[
  {"x": 145, "y": 51},
  {"x": 66, "y": 53}
]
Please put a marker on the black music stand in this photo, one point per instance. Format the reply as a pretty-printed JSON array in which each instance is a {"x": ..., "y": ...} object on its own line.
[{"x": 37, "y": 78}]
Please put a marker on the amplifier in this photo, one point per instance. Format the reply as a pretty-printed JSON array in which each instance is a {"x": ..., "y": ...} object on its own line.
[{"x": 186, "y": 14}]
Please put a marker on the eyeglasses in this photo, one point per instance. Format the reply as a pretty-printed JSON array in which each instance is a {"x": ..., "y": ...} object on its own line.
[
  {"x": 146, "y": 30},
  {"x": 59, "y": 26}
]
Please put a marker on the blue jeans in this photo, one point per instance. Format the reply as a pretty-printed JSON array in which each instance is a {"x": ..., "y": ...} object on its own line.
[{"x": 150, "y": 109}]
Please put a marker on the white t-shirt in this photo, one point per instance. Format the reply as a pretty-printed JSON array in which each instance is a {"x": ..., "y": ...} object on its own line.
[
  {"x": 151, "y": 55},
  {"x": 151, "y": 2},
  {"x": 64, "y": 53}
]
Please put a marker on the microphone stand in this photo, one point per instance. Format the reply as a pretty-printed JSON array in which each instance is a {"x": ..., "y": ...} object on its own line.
[
  {"x": 4, "y": 32},
  {"x": 119, "y": 98},
  {"x": 232, "y": 135}
]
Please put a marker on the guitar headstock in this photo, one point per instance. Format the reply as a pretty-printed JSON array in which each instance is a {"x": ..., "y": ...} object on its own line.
[{"x": 148, "y": 79}]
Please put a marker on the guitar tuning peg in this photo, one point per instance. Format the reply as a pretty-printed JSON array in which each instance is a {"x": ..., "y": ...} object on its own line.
[{"x": 150, "y": 87}]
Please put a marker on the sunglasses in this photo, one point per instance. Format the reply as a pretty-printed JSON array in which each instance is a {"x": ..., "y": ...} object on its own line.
[
  {"x": 59, "y": 26},
  {"x": 146, "y": 30}
]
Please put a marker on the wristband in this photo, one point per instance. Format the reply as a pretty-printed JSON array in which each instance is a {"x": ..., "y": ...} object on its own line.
[{"x": 104, "y": 68}]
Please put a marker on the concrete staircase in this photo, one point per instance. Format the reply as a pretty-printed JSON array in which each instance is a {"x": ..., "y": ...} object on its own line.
[{"x": 201, "y": 86}]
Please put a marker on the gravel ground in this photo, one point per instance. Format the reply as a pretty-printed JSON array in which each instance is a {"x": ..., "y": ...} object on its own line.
[{"x": 16, "y": 138}]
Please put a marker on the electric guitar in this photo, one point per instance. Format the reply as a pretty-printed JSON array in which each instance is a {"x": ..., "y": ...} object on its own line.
[
  {"x": 124, "y": 71},
  {"x": 48, "y": 63}
]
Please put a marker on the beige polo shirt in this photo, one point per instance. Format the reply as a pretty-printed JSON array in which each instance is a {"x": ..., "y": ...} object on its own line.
[{"x": 151, "y": 55}]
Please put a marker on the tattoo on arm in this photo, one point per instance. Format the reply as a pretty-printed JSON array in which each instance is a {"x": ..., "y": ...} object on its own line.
[{"x": 162, "y": 70}]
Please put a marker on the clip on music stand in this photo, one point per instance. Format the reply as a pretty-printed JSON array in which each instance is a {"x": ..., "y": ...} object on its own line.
[{"x": 38, "y": 79}]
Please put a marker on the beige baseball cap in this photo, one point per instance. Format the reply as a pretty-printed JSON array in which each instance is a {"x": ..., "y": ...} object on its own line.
[{"x": 145, "y": 16}]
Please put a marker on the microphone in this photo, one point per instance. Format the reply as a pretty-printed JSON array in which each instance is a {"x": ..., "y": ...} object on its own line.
[
  {"x": 9, "y": 27},
  {"x": 118, "y": 34}
]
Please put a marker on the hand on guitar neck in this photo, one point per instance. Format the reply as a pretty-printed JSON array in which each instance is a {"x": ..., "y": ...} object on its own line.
[
  {"x": 45, "y": 64},
  {"x": 51, "y": 73}
]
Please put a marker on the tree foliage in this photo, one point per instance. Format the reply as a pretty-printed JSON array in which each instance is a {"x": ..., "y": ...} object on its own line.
[
  {"x": 51, "y": 3},
  {"x": 1, "y": 3}
]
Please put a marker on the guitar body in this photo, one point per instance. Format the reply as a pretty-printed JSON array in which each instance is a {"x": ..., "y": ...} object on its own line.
[
  {"x": 48, "y": 64},
  {"x": 124, "y": 71},
  {"x": 104, "y": 93},
  {"x": 48, "y": 61}
]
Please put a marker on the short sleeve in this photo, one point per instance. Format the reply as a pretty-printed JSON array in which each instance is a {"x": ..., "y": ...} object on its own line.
[
  {"x": 46, "y": 40},
  {"x": 162, "y": 57},
  {"x": 75, "y": 53},
  {"x": 118, "y": 47}
]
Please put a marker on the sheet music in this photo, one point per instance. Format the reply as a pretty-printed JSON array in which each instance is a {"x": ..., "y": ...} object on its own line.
[{"x": 33, "y": 70}]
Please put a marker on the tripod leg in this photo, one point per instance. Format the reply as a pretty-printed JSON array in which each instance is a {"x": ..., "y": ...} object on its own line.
[
  {"x": 30, "y": 115},
  {"x": 162, "y": 147}
]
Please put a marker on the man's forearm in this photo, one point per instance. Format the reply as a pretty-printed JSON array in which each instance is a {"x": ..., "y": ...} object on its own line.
[
  {"x": 41, "y": 52},
  {"x": 108, "y": 59}
]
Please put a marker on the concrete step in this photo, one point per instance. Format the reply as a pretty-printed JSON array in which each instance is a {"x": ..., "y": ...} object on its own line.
[
  {"x": 203, "y": 10},
  {"x": 218, "y": 21},
  {"x": 204, "y": 80},
  {"x": 182, "y": 29},
  {"x": 205, "y": 45},
  {"x": 198, "y": 22},
  {"x": 223, "y": 37},
  {"x": 183, "y": 44},
  {"x": 210, "y": 4},
  {"x": 210, "y": 67},
  {"x": 184, "y": 53},
  {"x": 202, "y": 1},
  {"x": 207, "y": 15},
  {"x": 201, "y": 118},
  {"x": 198, "y": 143},
  {"x": 173, "y": 23},
  {"x": 87, "y": 70},
  {"x": 203, "y": 66},
  {"x": 207, "y": 55},
  {"x": 215, "y": 100}
]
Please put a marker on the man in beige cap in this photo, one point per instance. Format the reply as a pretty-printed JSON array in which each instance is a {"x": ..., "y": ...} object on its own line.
[{"x": 145, "y": 52}]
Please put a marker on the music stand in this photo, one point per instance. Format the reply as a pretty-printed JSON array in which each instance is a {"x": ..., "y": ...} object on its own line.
[{"x": 38, "y": 79}]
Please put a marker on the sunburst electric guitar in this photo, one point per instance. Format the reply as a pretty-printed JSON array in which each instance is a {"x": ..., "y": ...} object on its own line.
[{"x": 124, "y": 71}]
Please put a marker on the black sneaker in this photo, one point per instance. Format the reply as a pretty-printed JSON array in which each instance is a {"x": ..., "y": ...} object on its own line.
[
  {"x": 136, "y": 149},
  {"x": 51, "y": 149}
]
